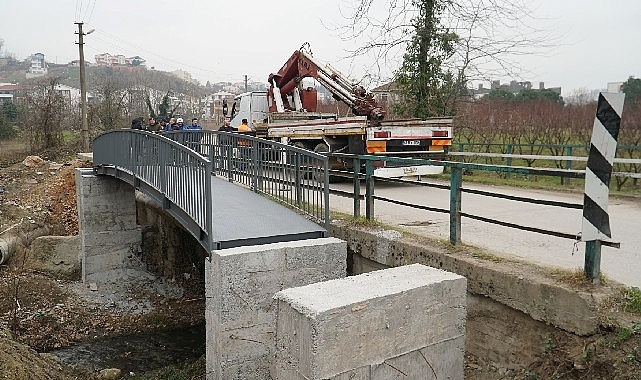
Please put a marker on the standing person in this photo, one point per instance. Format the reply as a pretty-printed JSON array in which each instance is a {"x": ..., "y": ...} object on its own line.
[
  {"x": 244, "y": 127},
  {"x": 194, "y": 137},
  {"x": 163, "y": 125},
  {"x": 171, "y": 125},
  {"x": 179, "y": 125},
  {"x": 138, "y": 123},
  {"x": 227, "y": 126},
  {"x": 194, "y": 124},
  {"x": 152, "y": 126},
  {"x": 225, "y": 142}
]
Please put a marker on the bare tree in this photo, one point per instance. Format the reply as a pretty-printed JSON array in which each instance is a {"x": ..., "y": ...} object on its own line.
[
  {"x": 491, "y": 34},
  {"x": 44, "y": 116}
]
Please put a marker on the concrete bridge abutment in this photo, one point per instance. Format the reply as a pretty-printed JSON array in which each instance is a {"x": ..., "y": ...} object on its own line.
[{"x": 109, "y": 234}]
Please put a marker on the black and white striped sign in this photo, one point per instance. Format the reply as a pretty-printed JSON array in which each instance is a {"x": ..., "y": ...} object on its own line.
[{"x": 596, "y": 222}]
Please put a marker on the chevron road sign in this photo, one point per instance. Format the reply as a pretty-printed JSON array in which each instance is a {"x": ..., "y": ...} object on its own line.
[{"x": 596, "y": 222}]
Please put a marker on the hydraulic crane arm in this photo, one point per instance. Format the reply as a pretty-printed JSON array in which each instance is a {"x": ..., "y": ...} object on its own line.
[{"x": 288, "y": 82}]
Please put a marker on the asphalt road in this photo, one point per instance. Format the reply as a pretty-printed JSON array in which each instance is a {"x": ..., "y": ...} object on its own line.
[{"x": 622, "y": 265}]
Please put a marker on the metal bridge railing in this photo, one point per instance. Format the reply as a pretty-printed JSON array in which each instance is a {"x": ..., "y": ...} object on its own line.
[
  {"x": 179, "y": 175},
  {"x": 293, "y": 176}
]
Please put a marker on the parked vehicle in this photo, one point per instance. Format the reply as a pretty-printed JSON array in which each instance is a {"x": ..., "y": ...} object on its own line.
[{"x": 287, "y": 112}]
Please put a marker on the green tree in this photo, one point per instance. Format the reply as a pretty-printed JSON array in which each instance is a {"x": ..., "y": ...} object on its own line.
[
  {"x": 428, "y": 88},
  {"x": 454, "y": 41},
  {"x": 498, "y": 93},
  {"x": 546, "y": 94},
  {"x": 8, "y": 118},
  {"x": 164, "y": 108},
  {"x": 632, "y": 90}
]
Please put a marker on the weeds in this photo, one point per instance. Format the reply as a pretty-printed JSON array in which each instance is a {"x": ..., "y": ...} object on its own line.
[
  {"x": 549, "y": 345},
  {"x": 633, "y": 300}
]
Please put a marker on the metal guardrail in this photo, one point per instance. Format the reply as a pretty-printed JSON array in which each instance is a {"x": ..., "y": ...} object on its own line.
[
  {"x": 456, "y": 189},
  {"x": 175, "y": 168}
]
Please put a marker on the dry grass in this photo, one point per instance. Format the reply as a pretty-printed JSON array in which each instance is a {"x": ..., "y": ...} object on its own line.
[
  {"x": 12, "y": 151},
  {"x": 575, "y": 278}
]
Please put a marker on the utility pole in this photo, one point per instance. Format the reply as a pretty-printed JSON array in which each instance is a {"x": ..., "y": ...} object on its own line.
[
  {"x": 84, "y": 134},
  {"x": 246, "y": 83}
]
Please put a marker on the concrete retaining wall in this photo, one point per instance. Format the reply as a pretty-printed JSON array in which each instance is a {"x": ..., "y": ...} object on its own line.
[
  {"x": 407, "y": 321},
  {"x": 516, "y": 285},
  {"x": 240, "y": 311},
  {"x": 109, "y": 235}
]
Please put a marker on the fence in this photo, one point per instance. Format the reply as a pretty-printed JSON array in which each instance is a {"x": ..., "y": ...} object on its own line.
[
  {"x": 166, "y": 168},
  {"x": 456, "y": 189},
  {"x": 289, "y": 175},
  {"x": 563, "y": 156}
]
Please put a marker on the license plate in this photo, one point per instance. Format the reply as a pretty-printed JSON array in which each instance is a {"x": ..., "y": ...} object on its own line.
[{"x": 411, "y": 142}]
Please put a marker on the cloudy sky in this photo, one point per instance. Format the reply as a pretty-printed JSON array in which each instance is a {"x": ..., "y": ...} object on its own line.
[{"x": 596, "y": 42}]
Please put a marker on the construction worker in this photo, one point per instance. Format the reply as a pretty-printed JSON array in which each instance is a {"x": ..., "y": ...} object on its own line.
[{"x": 244, "y": 127}]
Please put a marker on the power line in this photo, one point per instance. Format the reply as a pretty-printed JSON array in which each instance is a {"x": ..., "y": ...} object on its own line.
[
  {"x": 92, "y": 8},
  {"x": 121, "y": 45}
]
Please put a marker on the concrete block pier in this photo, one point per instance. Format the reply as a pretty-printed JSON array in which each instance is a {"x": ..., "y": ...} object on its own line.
[
  {"x": 240, "y": 310},
  {"x": 405, "y": 322}
]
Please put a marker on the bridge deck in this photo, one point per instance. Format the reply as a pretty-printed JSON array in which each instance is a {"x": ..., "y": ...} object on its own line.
[{"x": 242, "y": 217}]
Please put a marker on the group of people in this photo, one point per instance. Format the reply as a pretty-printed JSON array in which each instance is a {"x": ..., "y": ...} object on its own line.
[
  {"x": 164, "y": 125},
  {"x": 243, "y": 127},
  {"x": 177, "y": 124}
]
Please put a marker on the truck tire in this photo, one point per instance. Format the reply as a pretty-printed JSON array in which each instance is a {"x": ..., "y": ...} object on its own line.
[
  {"x": 322, "y": 148},
  {"x": 291, "y": 158}
]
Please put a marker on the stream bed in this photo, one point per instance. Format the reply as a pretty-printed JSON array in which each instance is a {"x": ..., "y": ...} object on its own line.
[{"x": 139, "y": 353}]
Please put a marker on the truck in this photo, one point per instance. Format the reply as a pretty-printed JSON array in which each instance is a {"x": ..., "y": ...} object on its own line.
[{"x": 287, "y": 112}]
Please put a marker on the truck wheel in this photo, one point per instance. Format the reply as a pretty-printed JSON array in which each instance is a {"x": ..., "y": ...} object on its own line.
[
  {"x": 322, "y": 148},
  {"x": 291, "y": 156}
]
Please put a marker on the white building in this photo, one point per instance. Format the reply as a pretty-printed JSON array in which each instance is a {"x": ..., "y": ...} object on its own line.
[{"x": 38, "y": 66}]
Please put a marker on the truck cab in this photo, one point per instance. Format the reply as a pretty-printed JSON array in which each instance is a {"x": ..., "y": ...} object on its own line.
[{"x": 252, "y": 106}]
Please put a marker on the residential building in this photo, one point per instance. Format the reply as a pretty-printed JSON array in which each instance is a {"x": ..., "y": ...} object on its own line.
[
  {"x": 8, "y": 91},
  {"x": 38, "y": 66},
  {"x": 107, "y": 59}
]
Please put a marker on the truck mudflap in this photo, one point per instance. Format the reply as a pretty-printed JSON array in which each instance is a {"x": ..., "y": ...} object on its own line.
[{"x": 407, "y": 171}]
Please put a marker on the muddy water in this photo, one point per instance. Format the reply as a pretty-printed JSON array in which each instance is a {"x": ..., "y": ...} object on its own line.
[{"x": 137, "y": 353}]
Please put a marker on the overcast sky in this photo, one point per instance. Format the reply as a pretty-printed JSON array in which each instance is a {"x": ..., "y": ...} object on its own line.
[{"x": 225, "y": 40}]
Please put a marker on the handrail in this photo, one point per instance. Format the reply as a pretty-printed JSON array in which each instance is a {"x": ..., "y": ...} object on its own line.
[
  {"x": 169, "y": 168},
  {"x": 293, "y": 176}
]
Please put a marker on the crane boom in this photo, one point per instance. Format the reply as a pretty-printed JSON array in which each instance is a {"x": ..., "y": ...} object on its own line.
[{"x": 287, "y": 83}]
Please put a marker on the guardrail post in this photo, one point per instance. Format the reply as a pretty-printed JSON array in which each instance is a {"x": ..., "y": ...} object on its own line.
[
  {"x": 508, "y": 161},
  {"x": 568, "y": 165},
  {"x": 297, "y": 178},
  {"x": 230, "y": 151},
  {"x": 357, "y": 188},
  {"x": 369, "y": 189},
  {"x": 456, "y": 179},
  {"x": 326, "y": 194},
  {"x": 209, "y": 204},
  {"x": 592, "y": 267},
  {"x": 254, "y": 164}
]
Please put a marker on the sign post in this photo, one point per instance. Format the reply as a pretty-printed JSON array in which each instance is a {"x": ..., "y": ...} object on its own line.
[{"x": 596, "y": 222}]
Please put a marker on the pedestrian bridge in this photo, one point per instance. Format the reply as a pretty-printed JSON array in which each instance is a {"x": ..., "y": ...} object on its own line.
[
  {"x": 260, "y": 210},
  {"x": 226, "y": 189}
]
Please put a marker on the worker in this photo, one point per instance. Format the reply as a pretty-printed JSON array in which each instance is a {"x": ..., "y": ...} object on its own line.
[
  {"x": 194, "y": 124},
  {"x": 179, "y": 125},
  {"x": 244, "y": 127},
  {"x": 227, "y": 126},
  {"x": 171, "y": 125}
]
